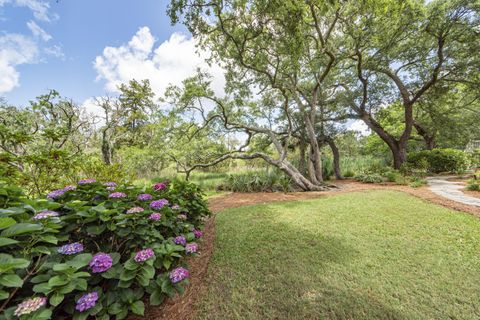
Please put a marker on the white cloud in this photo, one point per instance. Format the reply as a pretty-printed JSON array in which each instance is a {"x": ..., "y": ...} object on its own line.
[
  {"x": 37, "y": 31},
  {"x": 93, "y": 111},
  {"x": 359, "y": 126},
  {"x": 169, "y": 63},
  {"x": 55, "y": 51},
  {"x": 39, "y": 8},
  {"x": 15, "y": 49}
]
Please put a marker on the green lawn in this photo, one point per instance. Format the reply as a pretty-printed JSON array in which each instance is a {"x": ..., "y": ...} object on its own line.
[{"x": 370, "y": 255}]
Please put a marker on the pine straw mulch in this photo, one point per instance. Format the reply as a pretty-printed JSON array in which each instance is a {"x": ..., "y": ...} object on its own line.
[{"x": 183, "y": 307}]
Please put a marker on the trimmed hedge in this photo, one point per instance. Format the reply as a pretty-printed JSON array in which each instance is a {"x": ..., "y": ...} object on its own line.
[
  {"x": 95, "y": 250},
  {"x": 440, "y": 160}
]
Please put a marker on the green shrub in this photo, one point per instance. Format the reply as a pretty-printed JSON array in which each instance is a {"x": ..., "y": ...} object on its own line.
[
  {"x": 416, "y": 182},
  {"x": 258, "y": 181},
  {"x": 369, "y": 178},
  {"x": 349, "y": 174},
  {"x": 441, "y": 160},
  {"x": 473, "y": 185},
  {"x": 392, "y": 176},
  {"x": 118, "y": 249}
]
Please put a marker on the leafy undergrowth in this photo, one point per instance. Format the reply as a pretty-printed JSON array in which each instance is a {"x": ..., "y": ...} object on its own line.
[{"x": 366, "y": 255}]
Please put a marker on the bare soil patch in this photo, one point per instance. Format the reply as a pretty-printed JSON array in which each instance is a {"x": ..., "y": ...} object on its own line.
[{"x": 183, "y": 307}]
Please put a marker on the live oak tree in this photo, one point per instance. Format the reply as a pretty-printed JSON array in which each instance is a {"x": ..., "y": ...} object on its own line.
[
  {"x": 404, "y": 50},
  {"x": 375, "y": 52}
]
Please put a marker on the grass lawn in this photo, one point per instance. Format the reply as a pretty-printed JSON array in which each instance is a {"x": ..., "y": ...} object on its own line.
[{"x": 368, "y": 255}]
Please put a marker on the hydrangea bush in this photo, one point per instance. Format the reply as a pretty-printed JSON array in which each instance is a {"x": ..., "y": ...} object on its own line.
[{"x": 96, "y": 249}]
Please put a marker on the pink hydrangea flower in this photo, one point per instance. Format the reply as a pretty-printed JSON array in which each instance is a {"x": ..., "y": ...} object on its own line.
[
  {"x": 30, "y": 305},
  {"x": 116, "y": 195},
  {"x": 178, "y": 274},
  {"x": 159, "y": 186},
  {"x": 197, "y": 233},
  {"x": 191, "y": 247},
  {"x": 135, "y": 210},
  {"x": 143, "y": 255},
  {"x": 45, "y": 214},
  {"x": 182, "y": 216},
  {"x": 155, "y": 216}
]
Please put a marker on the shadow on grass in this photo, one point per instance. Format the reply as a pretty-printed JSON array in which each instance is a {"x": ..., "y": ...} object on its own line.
[{"x": 266, "y": 268}]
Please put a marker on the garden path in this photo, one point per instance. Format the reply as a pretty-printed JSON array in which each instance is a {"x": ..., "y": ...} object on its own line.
[{"x": 451, "y": 190}]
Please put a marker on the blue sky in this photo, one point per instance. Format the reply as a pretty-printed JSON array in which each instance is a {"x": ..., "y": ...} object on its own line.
[{"x": 75, "y": 32}]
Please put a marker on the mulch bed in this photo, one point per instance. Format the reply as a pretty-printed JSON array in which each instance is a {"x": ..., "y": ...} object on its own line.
[{"x": 183, "y": 307}]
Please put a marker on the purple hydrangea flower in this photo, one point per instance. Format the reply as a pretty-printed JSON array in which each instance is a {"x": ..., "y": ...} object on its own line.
[
  {"x": 158, "y": 204},
  {"x": 45, "y": 214},
  {"x": 182, "y": 216},
  {"x": 135, "y": 210},
  {"x": 191, "y": 247},
  {"x": 180, "y": 240},
  {"x": 197, "y": 233},
  {"x": 71, "y": 248},
  {"x": 175, "y": 207},
  {"x": 159, "y": 186},
  {"x": 179, "y": 274},
  {"x": 101, "y": 262},
  {"x": 144, "y": 197},
  {"x": 110, "y": 184},
  {"x": 87, "y": 301},
  {"x": 117, "y": 195},
  {"x": 143, "y": 255},
  {"x": 155, "y": 216},
  {"x": 29, "y": 306},
  {"x": 87, "y": 181},
  {"x": 60, "y": 192}
]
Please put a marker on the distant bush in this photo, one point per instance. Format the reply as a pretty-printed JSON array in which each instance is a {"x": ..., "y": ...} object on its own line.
[
  {"x": 369, "y": 178},
  {"x": 417, "y": 182},
  {"x": 349, "y": 174},
  {"x": 95, "y": 250},
  {"x": 440, "y": 160},
  {"x": 258, "y": 181},
  {"x": 473, "y": 185},
  {"x": 391, "y": 176}
]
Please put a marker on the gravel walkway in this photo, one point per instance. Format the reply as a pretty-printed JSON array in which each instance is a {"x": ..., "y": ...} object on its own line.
[{"x": 451, "y": 190}]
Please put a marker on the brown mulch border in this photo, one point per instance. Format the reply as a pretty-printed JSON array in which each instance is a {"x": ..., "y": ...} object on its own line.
[{"x": 183, "y": 307}]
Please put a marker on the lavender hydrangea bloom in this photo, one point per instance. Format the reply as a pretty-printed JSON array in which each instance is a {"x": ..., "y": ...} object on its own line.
[
  {"x": 117, "y": 195},
  {"x": 144, "y": 197},
  {"x": 182, "y": 216},
  {"x": 197, "y": 233},
  {"x": 135, "y": 210},
  {"x": 29, "y": 306},
  {"x": 60, "y": 192},
  {"x": 175, "y": 207},
  {"x": 87, "y": 181},
  {"x": 45, "y": 214},
  {"x": 143, "y": 255},
  {"x": 159, "y": 186},
  {"x": 180, "y": 240},
  {"x": 191, "y": 247},
  {"x": 155, "y": 216},
  {"x": 178, "y": 274},
  {"x": 87, "y": 301},
  {"x": 71, "y": 248},
  {"x": 110, "y": 184},
  {"x": 101, "y": 262},
  {"x": 158, "y": 204}
]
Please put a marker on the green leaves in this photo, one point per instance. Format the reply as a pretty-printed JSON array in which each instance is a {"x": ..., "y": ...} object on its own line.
[
  {"x": 7, "y": 262},
  {"x": 11, "y": 281},
  {"x": 7, "y": 241},
  {"x": 138, "y": 307},
  {"x": 6, "y": 222},
  {"x": 20, "y": 228}
]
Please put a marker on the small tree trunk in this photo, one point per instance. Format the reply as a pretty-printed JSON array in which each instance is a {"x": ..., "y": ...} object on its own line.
[
  {"x": 107, "y": 152},
  {"x": 302, "y": 161},
  {"x": 336, "y": 158},
  {"x": 429, "y": 139}
]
